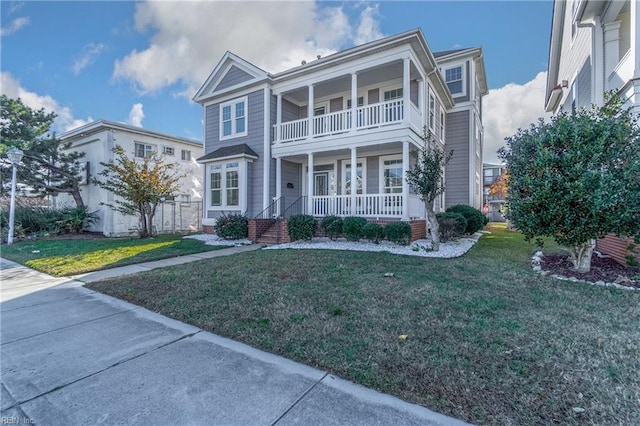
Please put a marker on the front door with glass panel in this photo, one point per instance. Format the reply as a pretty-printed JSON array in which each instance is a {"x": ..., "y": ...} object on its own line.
[{"x": 321, "y": 184}]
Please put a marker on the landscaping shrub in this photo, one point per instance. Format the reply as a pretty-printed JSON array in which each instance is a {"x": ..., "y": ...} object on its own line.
[
  {"x": 451, "y": 225},
  {"x": 475, "y": 218},
  {"x": 76, "y": 219},
  {"x": 332, "y": 226},
  {"x": 373, "y": 232},
  {"x": 352, "y": 227},
  {"x": 398, "y": 232},
  {"x": 232, "y": 227},
  {"x": 38, "y": 220},
  {"x": 301, "y": 227}
]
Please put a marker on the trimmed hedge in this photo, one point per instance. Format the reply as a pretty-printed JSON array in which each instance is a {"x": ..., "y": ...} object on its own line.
[
  {"x": 373, "y": 232},
  {"x": 398, "y": 232},
  {"x": 352, "y": 227},
  {"x": 332, "y": 226},
  {"x": 451, "y": 225},
  {"x": 301, "y": 227},
  {"x": 232, "y": 227},
  {"x": 475, "y": 218}
]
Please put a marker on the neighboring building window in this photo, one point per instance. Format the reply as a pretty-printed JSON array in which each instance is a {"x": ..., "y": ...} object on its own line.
[
  {"x": 453, "y": 77},
  {"x": 432, "y": 112},
  {"x": 224, "y": 184},
  {"x": 233, "y": 119},
  {"x": 185, "y": 199},
  {"x": 186, "y": 155},
  {"x": 167, "y": 150},
  {"x": 390, "y": 95},
  {"x": 392, "y": 176},
  {"x": 144, "y": 150}
]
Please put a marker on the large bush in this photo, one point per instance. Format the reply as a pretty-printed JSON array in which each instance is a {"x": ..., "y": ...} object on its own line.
[
  {"x": 232, "y": 227},
  {"x": 38, "y": 220},
  {"x": 332, "y": 226},
  {"x": 352, "y": 227},
  {"x": 398, "y": 232},
  {"x": 301, "y": 227},
  {"x": 451, "y": 225},
  {"x": 475, "y": 218},
  {"x": 373, "y": 232}
]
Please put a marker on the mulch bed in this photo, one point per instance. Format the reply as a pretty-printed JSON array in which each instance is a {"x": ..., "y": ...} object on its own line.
[{"x": 602, "y": 269}]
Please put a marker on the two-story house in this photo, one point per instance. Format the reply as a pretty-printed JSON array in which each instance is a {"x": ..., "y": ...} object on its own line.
[
  {"x": 594, "y": 48},
  {"x": 97, "y": 140},
  {"x": 333, "y": 136}
]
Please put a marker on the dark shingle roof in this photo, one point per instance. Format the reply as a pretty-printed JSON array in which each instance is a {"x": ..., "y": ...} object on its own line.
[{"x": 229, "y": 151}]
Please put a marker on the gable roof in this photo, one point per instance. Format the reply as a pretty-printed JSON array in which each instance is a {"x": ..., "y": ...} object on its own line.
[
  {"x": 228, "y": 61},
  {"x": 233, "y": 151}
]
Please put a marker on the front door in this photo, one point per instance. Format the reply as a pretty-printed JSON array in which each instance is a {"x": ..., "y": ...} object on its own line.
[{"x": 321, "y": 184}]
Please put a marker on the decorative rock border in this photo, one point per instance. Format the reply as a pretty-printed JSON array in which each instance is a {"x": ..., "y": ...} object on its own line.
[{"x": 536, "y": 265}]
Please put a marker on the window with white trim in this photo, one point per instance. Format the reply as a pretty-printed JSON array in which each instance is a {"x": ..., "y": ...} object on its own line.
[
  {"x": 453, "y": 77},
  {"x": 144, "y": 150},
  {"x": 441, "y": 125},
  {"x": 432, "y": 112},
  {"x": 361, "y": 177},
  {"x": 224, "y": 184},
  {"x": 390, "y": 95},
  {"x": 185, "y": 155},
  {"x": 233, "y": 118},
  {"x": 392, "y": 175},
  {"x": 167, "y": 150}
]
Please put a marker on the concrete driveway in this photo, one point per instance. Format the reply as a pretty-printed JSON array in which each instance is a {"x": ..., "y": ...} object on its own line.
[{"x": 71, "y": 356}]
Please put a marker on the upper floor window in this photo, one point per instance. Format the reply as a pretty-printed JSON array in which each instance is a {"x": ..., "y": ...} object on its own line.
[
  {"x": 167, "y": 150},
  {"x": 432, "y": 112},
  {"x": 453, "y": 77},
  {"x": 233, "y": 118},
  {"x": 186, "y": 155},
  {"x": 144, "y": 150},
  {"x": 390, "y": 95}
]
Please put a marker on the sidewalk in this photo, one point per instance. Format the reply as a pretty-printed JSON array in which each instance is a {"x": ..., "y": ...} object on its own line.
[{"x": 74, "y": 356}]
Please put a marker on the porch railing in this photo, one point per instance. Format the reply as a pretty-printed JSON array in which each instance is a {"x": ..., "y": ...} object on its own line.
[
  {"x": 367, "y": 205},
  {"x": 368, "y": 116}
]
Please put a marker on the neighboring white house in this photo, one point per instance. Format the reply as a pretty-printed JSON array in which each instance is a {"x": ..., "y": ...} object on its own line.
[
  {"x": 495, "y": 203},
  {"x": 595, "y": 47},
  {"x": 335, "y": 136},
  {"x": 98, "y": 138}
]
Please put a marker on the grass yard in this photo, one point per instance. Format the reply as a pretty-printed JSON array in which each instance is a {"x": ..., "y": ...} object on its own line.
[
  {"x": 62, "y": 257},
  {"x": 489, "y": 341}
]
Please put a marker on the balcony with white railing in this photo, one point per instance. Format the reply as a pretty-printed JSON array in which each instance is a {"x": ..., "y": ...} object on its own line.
[
  {"x": 366, "y": 205},
  {"x": 368, "y": 117}
]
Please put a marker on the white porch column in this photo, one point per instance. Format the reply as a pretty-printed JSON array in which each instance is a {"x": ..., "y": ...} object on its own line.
[
  {"x": 354, "y": 101},
  {"x": 611, "y": 49},
  {"x": 405, "y": 184},
  {"x": 279, "y": 118},
  {"x": 354, "y": 172},
  {"x": 310, "y": 184},
  {"x": 634, "y": 20},
  {"x": 406, "y": 95},
  {"x": 279, "y": 184},
  {"x": 266, "y": 155},
  {"x": 310, "y": 111}
]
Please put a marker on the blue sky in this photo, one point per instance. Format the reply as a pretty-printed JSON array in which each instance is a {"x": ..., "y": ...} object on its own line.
[{"x": 140, "y": 62}]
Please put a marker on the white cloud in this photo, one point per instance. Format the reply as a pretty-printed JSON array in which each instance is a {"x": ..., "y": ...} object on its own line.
[
  {"x": 64, "y": 120},
  {"x": 189, "y": 38},
  {"x": 509, "y": 108},
  {"x": 90, "y": 53},
  {"x": 15, "y": 25},
  {"x": 136, "y": 115}
]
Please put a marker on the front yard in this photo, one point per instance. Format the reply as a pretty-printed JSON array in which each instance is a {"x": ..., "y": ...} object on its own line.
[{"x": 489, "y": 341}]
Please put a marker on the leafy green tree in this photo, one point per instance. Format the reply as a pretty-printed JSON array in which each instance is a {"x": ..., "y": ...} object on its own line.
[
  {"x": 48, "y": 166},
  {"x": 139, "y": 184},
  {"x": 426, "y": 177},
  {"x": 576, "y": 178}
]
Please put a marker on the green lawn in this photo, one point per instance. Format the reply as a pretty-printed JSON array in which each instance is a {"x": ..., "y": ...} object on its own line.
[
  {"x": 489, "y": 341},
  {"x": 60, "y": 257}
]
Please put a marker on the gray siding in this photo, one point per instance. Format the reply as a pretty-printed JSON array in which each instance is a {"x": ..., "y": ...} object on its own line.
[
  {"x": 254, "y": 138},
  {"x": 290, "y": 111},
  {"x": 457, "y": 171},
  {"x": 413, "y": 93},
  {"x": 583, "y": 85},
  {"x": 234, "y": 76},
  {"x": 373, "y": 174},
  {"x": 291, "y": 173}
]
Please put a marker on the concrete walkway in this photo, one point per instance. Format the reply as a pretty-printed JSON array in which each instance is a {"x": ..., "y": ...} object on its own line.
[{"x": 73, "y": 356}]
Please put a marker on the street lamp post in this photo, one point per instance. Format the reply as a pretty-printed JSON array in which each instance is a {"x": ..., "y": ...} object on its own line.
[{"x": 15, "y": 155}]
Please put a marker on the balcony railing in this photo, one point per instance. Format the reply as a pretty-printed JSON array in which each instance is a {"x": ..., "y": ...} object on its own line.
[
  {"x": 367, "y": 205},
  {"x": 368, "y": 116}
]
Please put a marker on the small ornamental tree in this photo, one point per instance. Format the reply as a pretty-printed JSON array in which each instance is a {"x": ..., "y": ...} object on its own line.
[
  {"x": 576, "y": 178},
  {"x": 499, "y": 186},
  {"x": 139, "y": 185},
  {"x": 425, "y": 177},
  {"x": 48, "y": 166}
]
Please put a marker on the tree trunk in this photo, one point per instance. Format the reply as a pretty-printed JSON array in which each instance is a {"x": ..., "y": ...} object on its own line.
[
  {"x": 435, "y": 226},
  {"x": 144, "y": 229},
  {"x": 75, "y": 193},
  {"x": 581, "y": 256}
]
